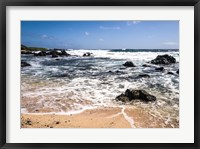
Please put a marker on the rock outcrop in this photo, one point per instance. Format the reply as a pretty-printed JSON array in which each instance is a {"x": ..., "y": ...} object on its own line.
[
  {"x": 135, "y": 95},
  {"x": 164, "y": 60}
]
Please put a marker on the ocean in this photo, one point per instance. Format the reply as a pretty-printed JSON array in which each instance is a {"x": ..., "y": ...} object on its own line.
[{"x": 66, "y": 85}]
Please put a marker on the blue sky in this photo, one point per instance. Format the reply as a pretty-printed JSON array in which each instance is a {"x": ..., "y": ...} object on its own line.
[{"x": 101, "y": 34}]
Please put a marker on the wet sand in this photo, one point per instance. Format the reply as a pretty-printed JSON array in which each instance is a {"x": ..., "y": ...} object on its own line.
[{"x": 106, "y": 117}]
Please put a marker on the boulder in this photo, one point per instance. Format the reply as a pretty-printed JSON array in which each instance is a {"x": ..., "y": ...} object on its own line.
[
  {"x": 129, "y": 64},
  {"x": 163, "y": 59},
  {"x": 24, "y": 64},
  {"x": 135, "y": 95}
]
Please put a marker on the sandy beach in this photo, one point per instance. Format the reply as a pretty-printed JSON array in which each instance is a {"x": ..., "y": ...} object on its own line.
[{"x": 106, "y": 117}]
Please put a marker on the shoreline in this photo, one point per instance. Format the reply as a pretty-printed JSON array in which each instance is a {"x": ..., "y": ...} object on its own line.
[{"x": 106, "y": 117}]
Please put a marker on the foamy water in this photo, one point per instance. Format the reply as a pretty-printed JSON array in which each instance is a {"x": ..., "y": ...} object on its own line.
[{"x": 76, "y": 83}]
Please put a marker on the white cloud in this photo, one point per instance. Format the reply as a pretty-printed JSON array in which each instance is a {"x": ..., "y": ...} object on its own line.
[
  {"x": 112, "y": 27},
  {"x": 44, "y": 36},
  {"x": 129, "y": 23},
  {"x": 86, "y": 33},
  {"x": 101, "y": 39},
  {"x": 170, "y": 43}
]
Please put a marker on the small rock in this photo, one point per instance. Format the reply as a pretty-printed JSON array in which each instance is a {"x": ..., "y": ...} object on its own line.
[
  {"x": 143, "y": 76},
  {"x": 28, "y": 122},
  {"x": 129, "y": 64},
  {"x": 121, "y": 86},
  {"x": 170, "y": 73},
  {"x": 24, "y": 64},
  {"x": 177, "y": 71},
  {"x": 57, "y": 122},
  {"x": 159, "y": 68},
  {"x": 87, "y": 54}
]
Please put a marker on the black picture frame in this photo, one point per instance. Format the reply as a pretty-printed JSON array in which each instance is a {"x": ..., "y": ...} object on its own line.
[{"x": 5, "y": 3}]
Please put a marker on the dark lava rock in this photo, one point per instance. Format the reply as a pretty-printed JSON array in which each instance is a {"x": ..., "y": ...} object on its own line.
[
  {"x": 87, "y": 54},
  {"x": 163, "y": 59},
  {"x": 64, "y": 53},
  {"x": 177, "y": 71},
  {"x": 54, "y": 55},
  {"x": 122, "y": 98},
  {"x": 143, "y": 76},
  {"x": 57, "y": 53},
  {"x": 41, "y": 53},
  {"x": 129, "y": 64},
  {"x": 159, "y": 68},
  {"x": 170, "y": 73},
  {"x": 24, "y": 64},
  {"x": 135, "y": 95},
  {"x": 146, "y": 96}
]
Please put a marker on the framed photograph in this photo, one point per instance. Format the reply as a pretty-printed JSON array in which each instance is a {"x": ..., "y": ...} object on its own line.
[{"x": 99, "y": 74}]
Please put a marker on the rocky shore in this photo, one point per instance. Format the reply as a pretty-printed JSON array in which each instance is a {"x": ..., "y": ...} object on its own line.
[{"x": 126, "y": 115}]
